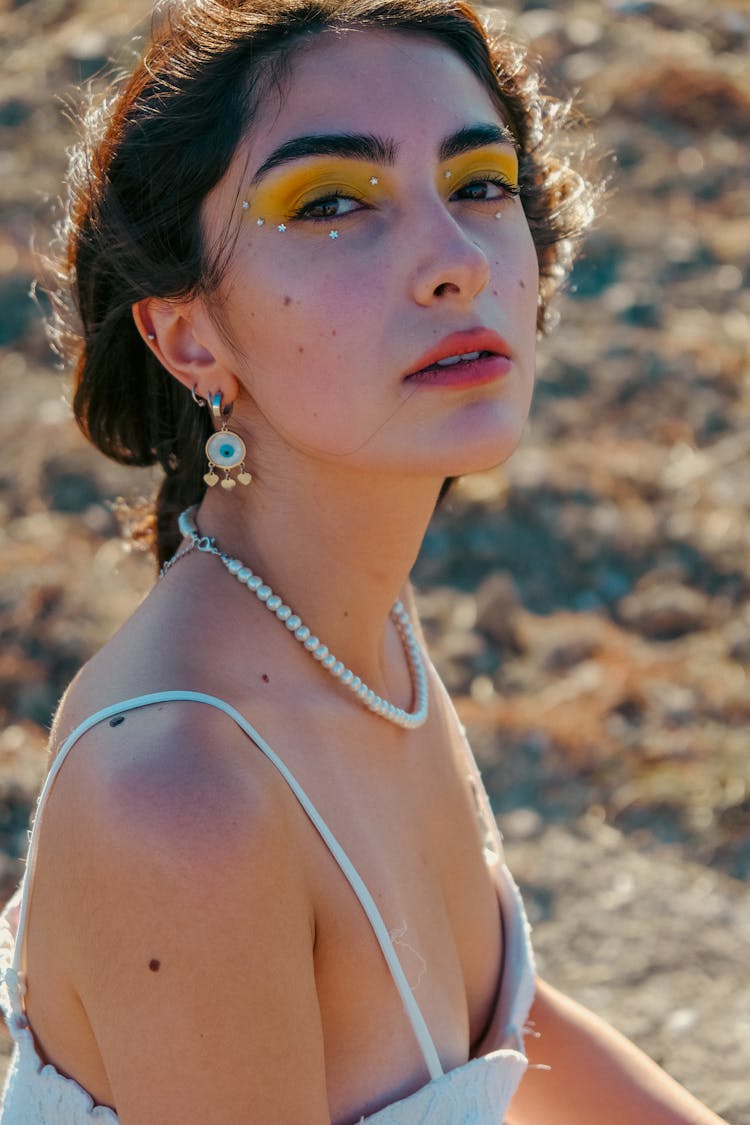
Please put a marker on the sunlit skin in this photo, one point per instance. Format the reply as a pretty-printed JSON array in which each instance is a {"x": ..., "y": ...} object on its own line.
[
  {"x": 325, "y": 329},
  {"x": 314, "y": 339}
]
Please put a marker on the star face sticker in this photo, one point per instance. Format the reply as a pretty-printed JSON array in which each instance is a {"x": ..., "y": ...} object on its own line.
[
  {"x": 245, "y": 205},
  {"x": 281, "y": 228},
  {"x": 260, "y": 222},
  {"x": 333, "y": 234},
  {"x": 374, "y": 180},
  {"x": 447, "y": 175}
]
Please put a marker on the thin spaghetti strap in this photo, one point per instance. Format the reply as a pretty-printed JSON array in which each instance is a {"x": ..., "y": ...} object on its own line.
[{"x": 411, "y": 1007}]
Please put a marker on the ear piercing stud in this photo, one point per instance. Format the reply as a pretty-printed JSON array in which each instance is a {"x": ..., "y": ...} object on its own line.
[{"x": 150, "y": 336}]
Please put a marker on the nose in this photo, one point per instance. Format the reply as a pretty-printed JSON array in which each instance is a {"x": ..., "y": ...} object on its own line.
[{"x": 451, "y": 266}]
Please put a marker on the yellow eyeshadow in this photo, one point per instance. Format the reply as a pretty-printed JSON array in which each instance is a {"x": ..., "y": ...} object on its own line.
[
  {"x": 284, "y": 193},
  {"x": 480, "y": 162}
]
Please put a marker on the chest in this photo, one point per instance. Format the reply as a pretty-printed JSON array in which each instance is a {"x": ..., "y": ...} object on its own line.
[{"x": 418, "y": 850}]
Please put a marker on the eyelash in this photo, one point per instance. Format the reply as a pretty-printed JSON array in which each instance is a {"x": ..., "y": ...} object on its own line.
[
  {"x": 303, "y": 212},
  {"x": 499, "y": 181}
]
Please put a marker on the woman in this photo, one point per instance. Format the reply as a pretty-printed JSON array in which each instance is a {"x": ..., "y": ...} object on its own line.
[{"x": 310, "y": 247}]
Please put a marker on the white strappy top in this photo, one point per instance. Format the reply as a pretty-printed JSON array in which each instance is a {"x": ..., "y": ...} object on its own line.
[{"x": 476, "y": 1093}]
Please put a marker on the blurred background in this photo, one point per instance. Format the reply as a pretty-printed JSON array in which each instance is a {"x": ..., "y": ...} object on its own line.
[{"x": 588, "y": 605}]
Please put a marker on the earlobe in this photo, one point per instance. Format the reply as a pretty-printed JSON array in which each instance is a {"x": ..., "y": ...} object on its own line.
[{"x": 170, "y": 330}]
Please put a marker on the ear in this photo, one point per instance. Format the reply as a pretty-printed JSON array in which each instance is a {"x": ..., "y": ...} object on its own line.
[{"x": 185, "y": 341}]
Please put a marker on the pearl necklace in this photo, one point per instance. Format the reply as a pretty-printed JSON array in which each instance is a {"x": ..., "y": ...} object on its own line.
[{"x": 409, "y": 720}]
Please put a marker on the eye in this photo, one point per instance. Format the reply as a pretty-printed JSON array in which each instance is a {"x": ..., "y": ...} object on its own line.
[
  {"x": 486, "y": 188},
  {"x": 332, "y": 206}
]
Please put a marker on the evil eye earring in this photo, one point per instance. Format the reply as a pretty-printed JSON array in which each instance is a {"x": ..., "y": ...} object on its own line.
[{"x": 225, "y": 450}]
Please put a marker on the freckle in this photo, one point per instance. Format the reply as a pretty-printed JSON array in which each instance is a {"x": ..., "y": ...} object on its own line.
[
  {"x": 266, "y": 678},
  {"x": 117, "y": 720},
  {"x": 495, "y": 293},
  {"x": 333, "y": 332},
  {"x": 287, "y": 301},
  {"x": 301, "y": 350},
  {"x": 154, "y": 965}
]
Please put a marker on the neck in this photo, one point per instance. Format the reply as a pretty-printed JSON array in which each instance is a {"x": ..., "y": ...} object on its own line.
[{"x": 338, "y": 551}]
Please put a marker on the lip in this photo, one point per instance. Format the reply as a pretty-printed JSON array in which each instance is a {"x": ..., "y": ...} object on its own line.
[{"x": 459, "y": 343}]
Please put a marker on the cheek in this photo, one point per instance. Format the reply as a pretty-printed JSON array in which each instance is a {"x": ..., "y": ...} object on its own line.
[
  {"x": 309, "y": 306},
  {"x": 515, "y": 273}
]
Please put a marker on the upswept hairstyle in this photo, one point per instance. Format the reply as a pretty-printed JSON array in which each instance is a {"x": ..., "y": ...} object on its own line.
[{"x": 154, "y": 149}]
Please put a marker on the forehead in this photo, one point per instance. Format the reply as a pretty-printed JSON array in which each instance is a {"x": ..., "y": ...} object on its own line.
[{"x": 391, "y": 83}]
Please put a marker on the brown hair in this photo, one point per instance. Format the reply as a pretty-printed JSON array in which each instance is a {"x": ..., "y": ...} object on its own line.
[{"x": 152, "y": 153}]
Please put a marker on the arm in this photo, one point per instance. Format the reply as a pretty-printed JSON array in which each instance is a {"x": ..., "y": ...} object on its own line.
[
  {"x": 194, "y": 930},
  {"x": 595, "y": 1074}
]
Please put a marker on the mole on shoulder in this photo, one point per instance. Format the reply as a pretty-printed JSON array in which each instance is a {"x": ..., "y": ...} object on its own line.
[
  {"x": 117, "y": 720},
  {"x": 154, "y": 965}
]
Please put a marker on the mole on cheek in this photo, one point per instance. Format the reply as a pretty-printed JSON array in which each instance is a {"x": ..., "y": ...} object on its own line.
[
  {"x": 266, "y": 678},
  {"x": 287, "y": 301},
  {"x": 522, "y": 284},
  {"x": 154, "y": 965}
]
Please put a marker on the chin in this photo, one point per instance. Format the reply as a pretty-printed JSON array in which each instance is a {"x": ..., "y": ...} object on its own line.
[{"x": 488, "y": 448}]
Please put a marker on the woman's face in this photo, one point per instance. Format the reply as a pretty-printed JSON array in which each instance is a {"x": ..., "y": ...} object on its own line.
[{"x": 380, "y": 232}]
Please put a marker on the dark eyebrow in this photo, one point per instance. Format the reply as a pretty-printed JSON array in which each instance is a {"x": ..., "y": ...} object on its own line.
[
  {"x": 475, "y": 136},
  {"x": 377, "y": 150},
  {"x": 356, "y": 146}
]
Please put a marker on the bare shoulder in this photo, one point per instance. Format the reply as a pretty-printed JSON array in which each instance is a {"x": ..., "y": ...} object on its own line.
[
  {"x": 187, "y": 907},
  {"x": 173, "y": 780}
]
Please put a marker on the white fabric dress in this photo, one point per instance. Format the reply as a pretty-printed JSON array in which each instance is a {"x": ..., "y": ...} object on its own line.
[{"x": 476, "y": 1093}]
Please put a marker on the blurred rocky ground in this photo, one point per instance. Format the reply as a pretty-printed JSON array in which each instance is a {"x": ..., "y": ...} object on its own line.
[{"x": 588, "y": 604}]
